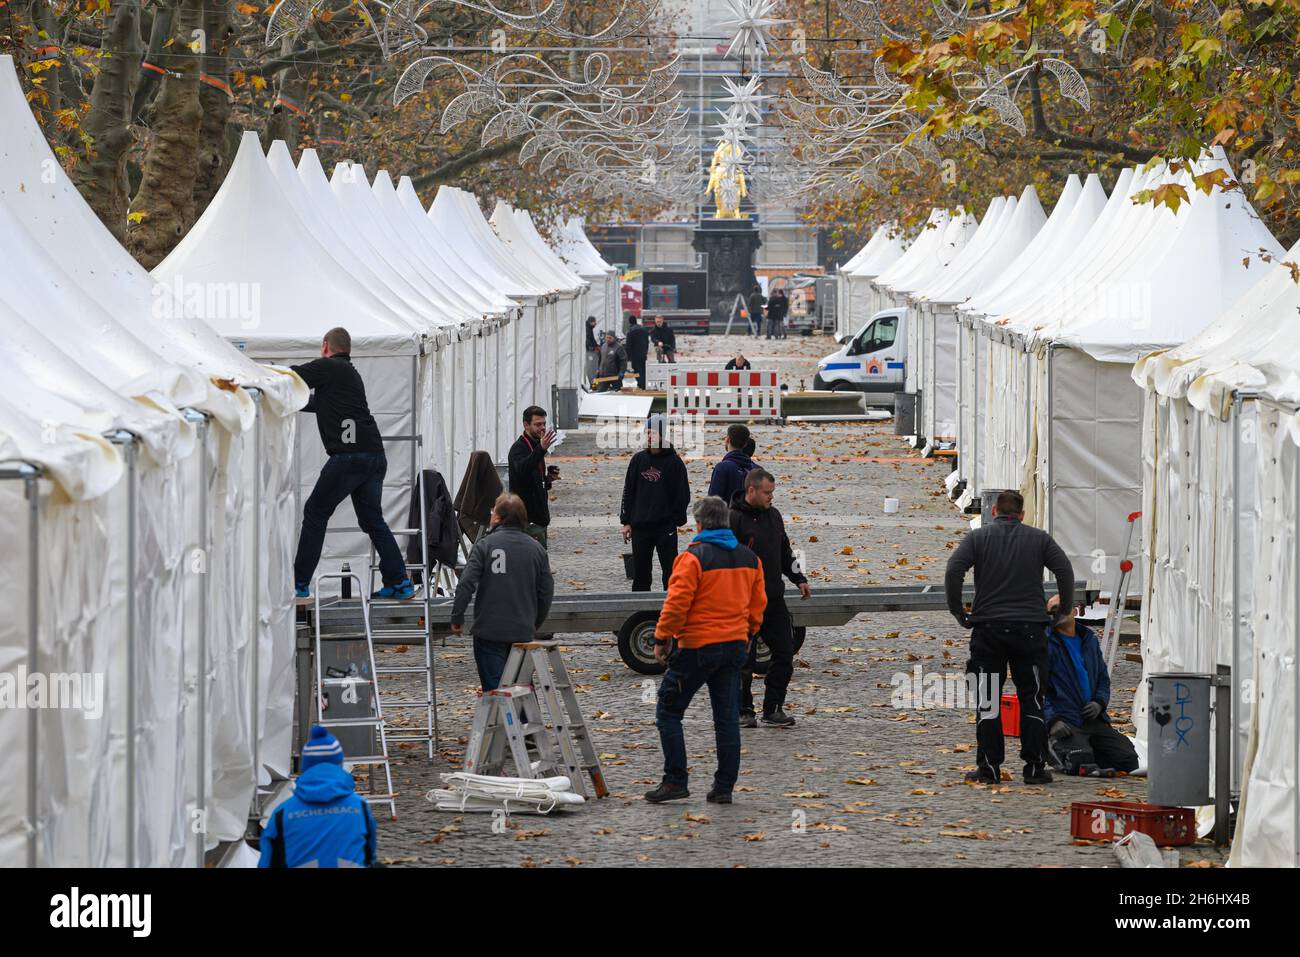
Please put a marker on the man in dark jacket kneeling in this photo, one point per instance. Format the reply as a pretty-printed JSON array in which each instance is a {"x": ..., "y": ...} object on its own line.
[{"x": 1080, "y": 736}]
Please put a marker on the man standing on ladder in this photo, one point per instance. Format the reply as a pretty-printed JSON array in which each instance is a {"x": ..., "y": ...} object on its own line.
[
  {"x": 356, "y": 467},
  {"x": 1008, "y": 619},
  {"x": 530, "y": 478}
]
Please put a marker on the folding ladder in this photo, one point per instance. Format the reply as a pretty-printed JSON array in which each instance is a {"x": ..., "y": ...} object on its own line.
[
  {"x": 1118, "y": 599},
  {"x": 397, "y": 629},
  {"x": 334, "y": 689},
  {"x": 534, "y": 716}
]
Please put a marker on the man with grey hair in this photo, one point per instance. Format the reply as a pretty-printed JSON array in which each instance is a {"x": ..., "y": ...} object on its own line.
[{"x": 714, "y": 606}]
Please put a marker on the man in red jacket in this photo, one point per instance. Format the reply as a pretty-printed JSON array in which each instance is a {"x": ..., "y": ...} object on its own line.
[{"x": 714, "y": 605}]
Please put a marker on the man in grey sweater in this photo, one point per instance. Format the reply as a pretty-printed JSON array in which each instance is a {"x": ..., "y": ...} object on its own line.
[
  {"x": 1007, "y": 621},
  {"x": 509, "y": 578}
]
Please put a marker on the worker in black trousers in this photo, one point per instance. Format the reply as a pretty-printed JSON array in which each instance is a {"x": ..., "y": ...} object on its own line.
[
  {"x": 637, "y": 346},
  {"x": 1008, "y": 621},
  {"x": 656, "y": 492},
  {"x": 758, "y": 526}
]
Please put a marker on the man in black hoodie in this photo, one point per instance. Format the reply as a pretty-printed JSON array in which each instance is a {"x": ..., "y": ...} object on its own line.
[
  {"x": 665, "y": 340},
  {"x": 759, "y": 527},
  {"x": 655, "y": 495},
  {"x": 637, "y": 346}
]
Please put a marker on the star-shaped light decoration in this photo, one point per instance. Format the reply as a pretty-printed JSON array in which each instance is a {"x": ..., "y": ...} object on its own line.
[
  {"x": 734, "y": 129},
  {"x": 751, "y": 22},
  {"x": 748, "y": 99}
]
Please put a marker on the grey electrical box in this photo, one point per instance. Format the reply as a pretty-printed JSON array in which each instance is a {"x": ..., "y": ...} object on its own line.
[
  {"x": 989, "y": 502},
  {"x": 906, "y": 412},
  {"x": 1178, "y": 739},
  {"x": 565, "y": 400}
]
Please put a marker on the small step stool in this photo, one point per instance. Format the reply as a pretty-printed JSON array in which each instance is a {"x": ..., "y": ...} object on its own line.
[{"x": 535, "y": 713}]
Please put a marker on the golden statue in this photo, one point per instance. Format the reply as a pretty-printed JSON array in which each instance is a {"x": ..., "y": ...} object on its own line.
[{"x": 727, "y": 181}]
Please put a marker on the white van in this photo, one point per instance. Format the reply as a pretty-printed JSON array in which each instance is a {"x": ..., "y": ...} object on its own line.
[{"x": 873, "y": 361}]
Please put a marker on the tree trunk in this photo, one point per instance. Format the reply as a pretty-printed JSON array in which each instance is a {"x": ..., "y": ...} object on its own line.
[
  {"x": 163, "y": 208},
  {"x": 215, "y": 152},
  {"x": 289, "y": 111},
  {"x": 160, "y": 31},
  {"x": 102, "y": 178}
]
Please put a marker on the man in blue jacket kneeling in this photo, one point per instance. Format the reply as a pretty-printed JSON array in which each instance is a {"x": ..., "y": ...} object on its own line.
[
  {"x": 1080, "y": 736},
  {"x": 325, "y": 823}
]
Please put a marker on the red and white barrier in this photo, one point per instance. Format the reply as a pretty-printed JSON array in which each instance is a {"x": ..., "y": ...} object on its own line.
[{"x": 725, "y": 395}]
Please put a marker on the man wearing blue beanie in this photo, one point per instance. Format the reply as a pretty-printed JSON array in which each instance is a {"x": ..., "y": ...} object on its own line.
[{"x": 325, "y": 823}]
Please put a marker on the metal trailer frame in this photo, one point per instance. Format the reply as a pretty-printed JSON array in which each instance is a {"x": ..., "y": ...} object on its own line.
[{"x": 631, "y": 616}]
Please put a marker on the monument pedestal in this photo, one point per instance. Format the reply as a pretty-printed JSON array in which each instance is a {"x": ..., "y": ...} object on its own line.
[{"x": 729, "y": 245}]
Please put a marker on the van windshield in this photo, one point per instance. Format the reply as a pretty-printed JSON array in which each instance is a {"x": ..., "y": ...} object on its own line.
[{"x": 876, "y": 336}]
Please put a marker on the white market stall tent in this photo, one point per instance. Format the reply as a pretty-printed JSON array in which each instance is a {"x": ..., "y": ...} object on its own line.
[
  {"x": 132, "y": 543},
  {"x": 1142, "y": 279},
  {"x": 250, "y": 236},
  {"x": 1076, "y": 209},
  {"x": 532, "y": 256},
  {"x": 1001, "y": 238},
  {"x": 854, "y": 284},
  {"x": 456, "y": 213},
  {"x": 1221, "y": 477},
  {"x": 572, "y": 245}
]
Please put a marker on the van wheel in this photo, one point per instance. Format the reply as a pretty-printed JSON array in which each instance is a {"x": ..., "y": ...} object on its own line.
[
  {"x": 839, "y": 385},
  {"x": 636, "y": 643}
]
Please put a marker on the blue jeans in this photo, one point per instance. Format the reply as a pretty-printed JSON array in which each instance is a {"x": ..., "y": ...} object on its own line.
[
  {"x": 490, "y": 657},
  {"x": 689, "y": 669},
  {"x": 361, "y": 476}
]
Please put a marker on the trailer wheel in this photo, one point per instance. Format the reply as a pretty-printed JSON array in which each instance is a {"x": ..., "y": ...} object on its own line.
[{"x": 636, "y": 643}]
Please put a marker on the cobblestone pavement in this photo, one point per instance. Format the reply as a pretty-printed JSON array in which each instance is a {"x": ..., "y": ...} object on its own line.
[{"x": 856, "y": 781}]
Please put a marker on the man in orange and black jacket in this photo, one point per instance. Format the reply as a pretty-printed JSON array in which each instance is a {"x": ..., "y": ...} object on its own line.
[{"x": 714, "y": 606}]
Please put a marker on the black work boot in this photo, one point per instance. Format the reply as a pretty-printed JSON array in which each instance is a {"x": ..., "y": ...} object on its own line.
[
  {"x": 748, "y": 720},
  {"x": 667, "y": 791},
  {"x": 777, "y": 718},
  {"x": 984, "y": 775},
  {"x": 716, "y": 796},
  {"x": 1037, "y": 774}
]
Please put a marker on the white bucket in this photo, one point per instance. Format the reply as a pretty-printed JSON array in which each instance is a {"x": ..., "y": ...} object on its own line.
[{"x": 891, "y": 506}]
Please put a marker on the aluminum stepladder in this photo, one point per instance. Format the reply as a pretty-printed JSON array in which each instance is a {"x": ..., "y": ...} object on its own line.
[
  {"x": 535, "y": 688},
  {"x": 1118, "y": 598},
  {"x": 397, "y": 630},
  {"x": 374, "y": 722}
]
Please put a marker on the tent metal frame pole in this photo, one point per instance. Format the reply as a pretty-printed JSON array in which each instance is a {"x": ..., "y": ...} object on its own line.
[
  {"x": 1051, "y": 434},
  {"x": 1295, "y": 669},
  {"x": 1238, "y": 669},
  {"x": 255, "y": 725},
  {"x": 201, "y": 421},
  {"x": 30, "y": 475},
  {"x": 130, "y": 445}
]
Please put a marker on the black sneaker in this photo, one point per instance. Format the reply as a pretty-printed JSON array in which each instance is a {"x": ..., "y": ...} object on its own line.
[
  {"x": 667, "y": 792},
  {"x": 718, "y": 797},
  {"x": 778, "y": 718},
  {"x": 983, "y": 776},
  {"x": 1039, "y": 775},
  {"x": 748, "y": 720}
]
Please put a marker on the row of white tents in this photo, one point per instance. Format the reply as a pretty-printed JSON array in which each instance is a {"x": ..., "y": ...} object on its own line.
[
  {"x": 152, "y": 465},
  {"x": 1024, "y": 335}
]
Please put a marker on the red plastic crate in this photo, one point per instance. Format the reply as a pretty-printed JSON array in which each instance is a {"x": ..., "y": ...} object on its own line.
[
  {"x": 1109, "y": 820},
  {"x": 1011, "y": 715}
]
